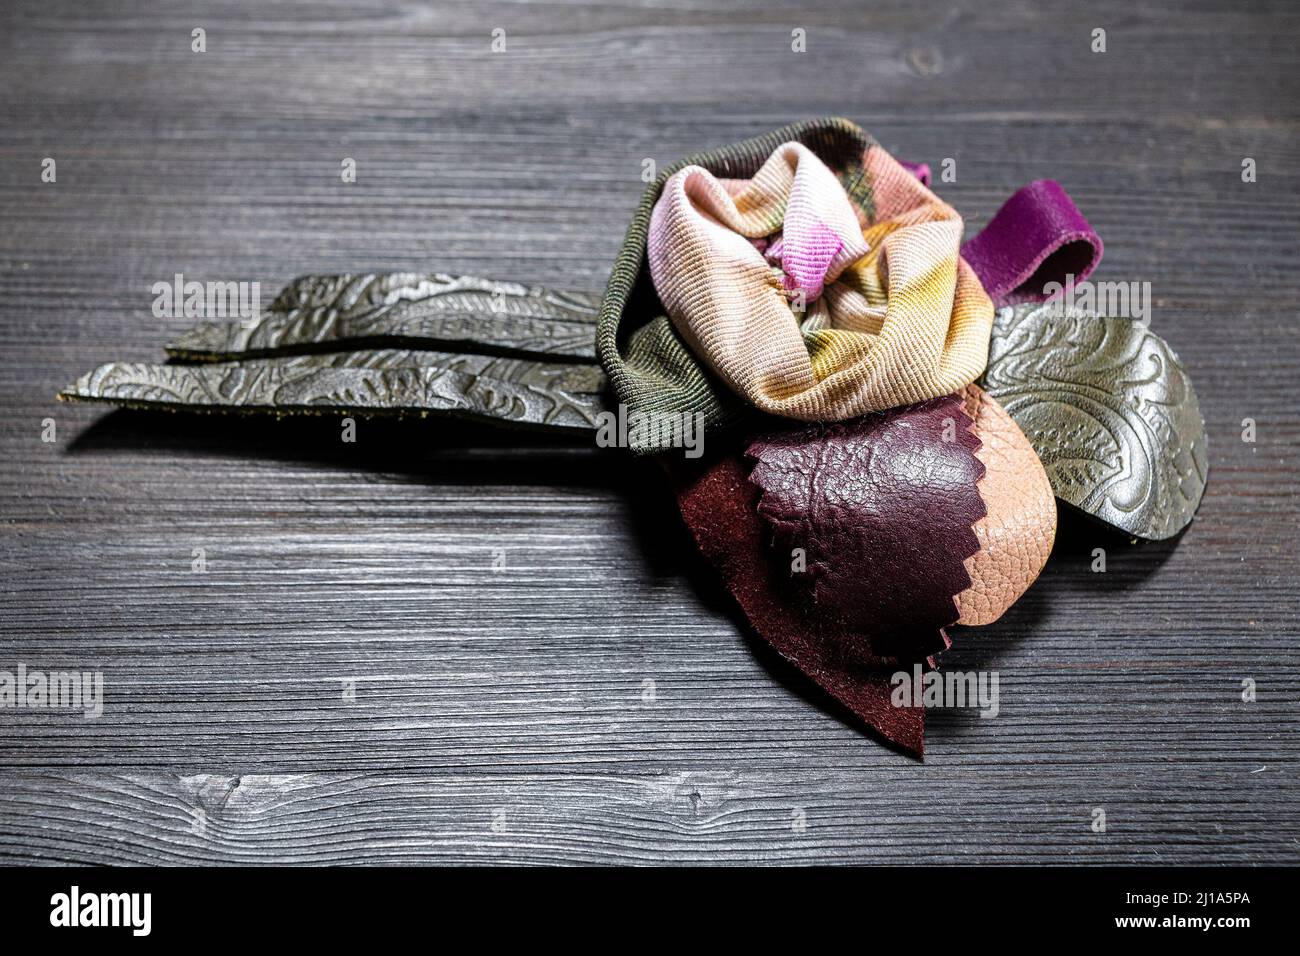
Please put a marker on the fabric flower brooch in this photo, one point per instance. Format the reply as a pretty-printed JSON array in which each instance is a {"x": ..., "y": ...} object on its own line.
[{"x": 891, "y": 416}]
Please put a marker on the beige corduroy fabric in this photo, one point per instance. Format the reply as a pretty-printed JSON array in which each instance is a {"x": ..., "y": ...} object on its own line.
[{"x": 890, "y": 313}]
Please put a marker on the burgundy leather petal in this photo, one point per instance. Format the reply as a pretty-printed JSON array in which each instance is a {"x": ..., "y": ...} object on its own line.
[
  {"x": 881, "y": 508},
  {"x": 720, "y": 506},
  {"x": 1038, "y": 236}
]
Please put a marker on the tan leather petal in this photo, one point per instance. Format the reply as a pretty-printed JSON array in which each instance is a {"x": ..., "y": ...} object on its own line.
[{"x": 1017, "y": 533}]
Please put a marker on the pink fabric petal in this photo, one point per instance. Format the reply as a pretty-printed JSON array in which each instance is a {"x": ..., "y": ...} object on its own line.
[{"x": 806, "y": 256}]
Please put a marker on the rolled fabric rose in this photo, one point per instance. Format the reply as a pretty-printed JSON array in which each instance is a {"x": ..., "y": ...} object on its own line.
[{"x": 809, "y": 306}]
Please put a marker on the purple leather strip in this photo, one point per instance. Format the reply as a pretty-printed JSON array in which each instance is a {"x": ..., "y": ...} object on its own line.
[
  {"x": 1038, "y": 236},
  {"x": 920, "y": 170}
]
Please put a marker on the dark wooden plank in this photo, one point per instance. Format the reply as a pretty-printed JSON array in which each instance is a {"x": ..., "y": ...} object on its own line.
[
  {"x": 852, "y": 815},
  {"x": 523, "y": 687}
]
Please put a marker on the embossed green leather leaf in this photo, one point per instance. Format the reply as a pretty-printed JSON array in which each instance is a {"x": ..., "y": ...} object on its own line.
[
  {"x": 408, "y": 310},
  {"x": 386, "y": 381},
  {"x": 1110, "y": 410}
]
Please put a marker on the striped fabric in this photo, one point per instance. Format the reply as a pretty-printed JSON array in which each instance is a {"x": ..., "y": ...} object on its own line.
[
  {"x": 811, "y": 306},
  {"x": 652, "y": 371}
]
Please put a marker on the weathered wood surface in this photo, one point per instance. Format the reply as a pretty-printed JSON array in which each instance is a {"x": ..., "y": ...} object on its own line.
[{"x": 501, "y": 714}]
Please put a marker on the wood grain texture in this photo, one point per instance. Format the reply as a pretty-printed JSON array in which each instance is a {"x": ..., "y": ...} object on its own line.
[{"x": 356, "y": 678}]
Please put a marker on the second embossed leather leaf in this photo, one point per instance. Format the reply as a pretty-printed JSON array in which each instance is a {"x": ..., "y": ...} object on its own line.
[{"x": 1110, "y": 411}]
